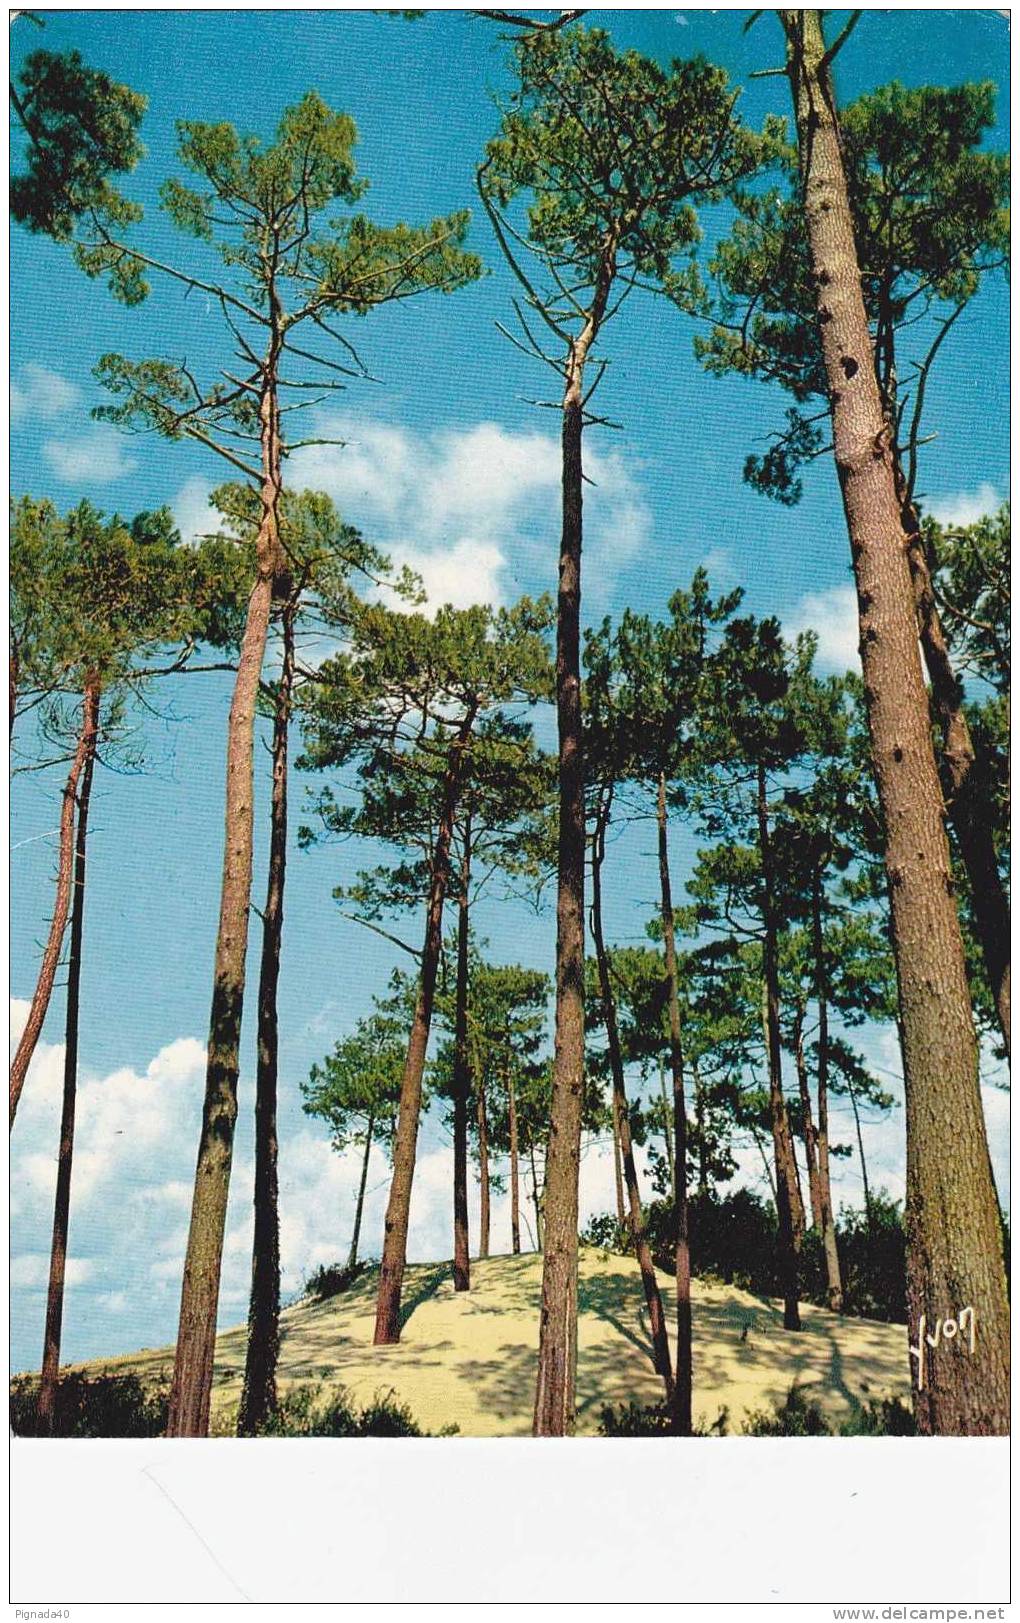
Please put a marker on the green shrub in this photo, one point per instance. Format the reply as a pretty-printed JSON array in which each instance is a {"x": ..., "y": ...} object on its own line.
[
  {"x": 884, "y": 1417},
  {"x": 333, "y": 1281},
  {"x": 92, "y": 1406},
  {"x": 653, "y": 1420},
  {"x": 607, "y": 1234},
  {"x": 794, "y": 1417},
  {"x": 312, "y": 1411}
]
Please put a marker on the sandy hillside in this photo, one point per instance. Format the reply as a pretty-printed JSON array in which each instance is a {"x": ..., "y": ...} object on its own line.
[{"x": 469, "y": 1359}]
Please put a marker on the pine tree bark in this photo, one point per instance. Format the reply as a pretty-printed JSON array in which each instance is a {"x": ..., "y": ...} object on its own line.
[
  {"x": 485, "y": 1188},
  {"x": 683, "y": 1391},
  {"x": 196, "y": 1336},
  {"x": 258, "y": 1393},
  {"x": 62, "y": 1201},
  {"x": 557, "y": 1346},
  {"x": 954, "y": 1242},
  {"x": 58, "y": 923},
  {"x": 515, "y": 1176},
  {"x": 668, "y": 1129},
  {"x": 405, "y": 1140},
  {"x": 809, "y": 1137},
  {"x": 352, "y": 1255},
  {"x": 868, "y": 1218},
  {"x": 789, "y": 1206},
  {"x": 461, "y": 1078},
  {"x": 661, "y": 1356},
  {"x": 833, "y": 1279}
]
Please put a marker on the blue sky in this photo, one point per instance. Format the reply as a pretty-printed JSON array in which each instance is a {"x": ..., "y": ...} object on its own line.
[{"x": 449, "y": 468}]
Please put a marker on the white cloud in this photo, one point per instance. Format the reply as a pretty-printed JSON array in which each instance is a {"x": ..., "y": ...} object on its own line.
[
  {"x": 962, "y": 507},
  {"x": 832, "y": 616},
  {"x": 31, "y": 1271},
  {"x": 91, "y": 456},
  {"x": 192, "y": 513},
  {"x": 41, "y": 394},
  {"x": 475, "y": 511}
]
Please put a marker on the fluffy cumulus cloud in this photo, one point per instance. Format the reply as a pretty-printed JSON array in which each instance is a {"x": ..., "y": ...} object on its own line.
[
  {"x": 39, "y": 394},
  {"x": 832, "y": 616},
  {"x": 193, "y": 515},
  {"x": 92, "y": 455},
  {"x": 963, "y": 507},
  {"x": 470, "y": 509}
]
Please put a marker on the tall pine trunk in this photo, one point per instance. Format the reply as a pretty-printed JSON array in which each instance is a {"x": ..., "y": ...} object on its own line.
[
  {"x": 682, "y": 1396},
  {"x": 808, "y": 1134},
  {"x": 515, "y": 1174},
  {"x": 868, "y": 1217},
  {"x": 557, "y": 1348},
  {"x": 699, "y": 1117},
  {"x": 639, "y": 1238},
  {"x": 58, "y": 923},
  {"x": 258, "y": 1395},
  {"x": 196, "y": 1335},
  {"x": 359, "y": 1209},
  {"x": 62, "y": 1200},
  {"x": 954, "y": 1236},
  {"x": 668, "y": 1128},
  {"x": 485, "y": 1187},
  {"x": 405, "y": 1139},
  {"x": 537, "y": 1200},
  {"x": 461, "y": 1079},
  {"x": 833, "y": 1280},
  {"x": 621, "y": 1210},
  {"x": 788, "y": 1198}
]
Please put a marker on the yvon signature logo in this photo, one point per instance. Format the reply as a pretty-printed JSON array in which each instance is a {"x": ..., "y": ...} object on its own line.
[{"x": 964, "y": 1326}]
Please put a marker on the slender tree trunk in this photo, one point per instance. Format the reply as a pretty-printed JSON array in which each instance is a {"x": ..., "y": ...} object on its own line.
[
  {"x": 954, "y": 1249},
  {"x": 405, "y": 1142},
  {"x": 860, "y": 1152},
  {"x": 810, "y": 1142},
  {"x": 833, "y": 1281},
  {"x": 537, "y": 1200},
  {"x": 258, "y": 1395},
  {"x": 196, "y": 1336},
  {"x": 62, "y": 1201},
  {"x": 699, "y": 1116},
  {"x": 58, "y": 923},
  {"x": 485, "y": 1200},
  {"x": 766, "y": 1163},
  {"x": 965, "y": 777},
  {"x": 352, "y": 1255},
  {"x": 639, "y": 1238},
  {"x": 668, "y": 1129},
  {"x": 12, "y": 676},
  {"x": 515, "y": 1190},
  {"x": 461, "y": 1079},
  {"x": 788, "y": 1198},
  {"x": 682, "y": 1396},
  {"x": 557, "y": 1347},
  {"x": 621, "y": 1210}
]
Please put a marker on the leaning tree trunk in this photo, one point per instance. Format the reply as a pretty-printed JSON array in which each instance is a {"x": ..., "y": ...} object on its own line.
[
  {"x": 196, "y": 1336},
  {"x": 485, "y": 1188},
  {"x": 51, "y": 953},
  {"x": 461, "y": 1079},
  {"x": 661, "y": 1357},
  {"x": 352, "y": 1255},
  {"x": 965, "y": 784},
  {"x": 621, "y": 1210},
  {"x": 868, "y": 1218},
  {"x": 954, "y": 1236},
  {"x": 788, "y": 1199},
  {"x": 808, "y": 1135},
  {"x": 833, "y": 1281},
  {"x": 667, "y": 1126},
  {"x": 683, "y": 1392},
  {"x": 515, "y": 1174},
  {"x": 405, "y": 1139},
  {"x": 258, "y": 1395},
  {"x": 62, "y": 1200}
]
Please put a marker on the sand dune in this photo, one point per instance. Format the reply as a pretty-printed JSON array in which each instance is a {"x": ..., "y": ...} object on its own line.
[{"x": 468, "y": 1359}]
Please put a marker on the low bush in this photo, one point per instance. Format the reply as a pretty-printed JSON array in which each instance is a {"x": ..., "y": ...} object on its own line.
[
  {"x": 333, "y": 1280},
  {"x": 92, "y": 1406},
  {"x": 314, "y": 1411}
]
